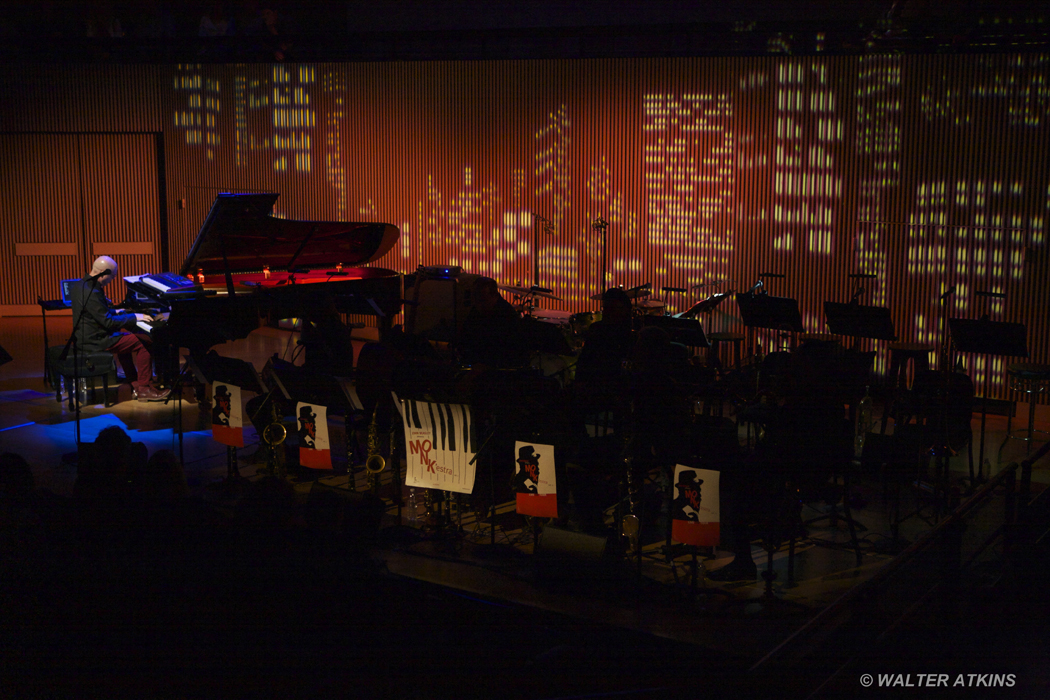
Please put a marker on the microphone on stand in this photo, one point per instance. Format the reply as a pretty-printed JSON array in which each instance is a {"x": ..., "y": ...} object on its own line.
[
  {"x": 758, "y": 285},
  {"x": 856, "y": 295},
  {"x": 951, "y": 290},
  {"x": 102, "y": 274}
]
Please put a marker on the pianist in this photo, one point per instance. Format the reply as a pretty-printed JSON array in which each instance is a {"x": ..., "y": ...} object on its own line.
[{"x": 101, "y": 328}]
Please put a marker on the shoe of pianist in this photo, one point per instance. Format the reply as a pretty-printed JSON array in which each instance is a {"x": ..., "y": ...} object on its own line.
[{"x": 149, "y": 393}]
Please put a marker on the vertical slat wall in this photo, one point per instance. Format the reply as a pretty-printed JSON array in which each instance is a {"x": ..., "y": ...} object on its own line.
[
  {"x": 928, "y": 171},
  {"x": 40, "y": 193},
  {"x": 77, "y": 148},
  {"x": 118, "y": 175}
]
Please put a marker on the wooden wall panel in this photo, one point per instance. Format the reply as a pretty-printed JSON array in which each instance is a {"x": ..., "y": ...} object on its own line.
[
  {"x": 118, "y": 174},
  {"x": 40, "y": 196}
]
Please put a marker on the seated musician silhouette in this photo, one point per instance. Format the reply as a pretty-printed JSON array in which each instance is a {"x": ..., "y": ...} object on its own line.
[
  {"x": 220, "y": 413},
  {"x": 307, "y": 428},
  {"x": 527, "y": 477},
  {"x": 492, "y": 336},
  {"x": 608, "y": 342},
  {"x": 101, "y": 327},
  {"x": 326, "y": 340},
  {"x": 686, "y": 506}
]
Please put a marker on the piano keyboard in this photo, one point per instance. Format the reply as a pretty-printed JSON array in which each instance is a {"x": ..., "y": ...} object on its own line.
[{"x": 164, "y": 282}]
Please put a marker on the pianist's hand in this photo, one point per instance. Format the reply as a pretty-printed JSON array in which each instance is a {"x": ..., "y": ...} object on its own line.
[{"x": 143, "y": 318}]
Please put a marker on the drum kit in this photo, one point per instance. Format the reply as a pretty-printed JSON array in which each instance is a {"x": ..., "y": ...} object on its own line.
[{"x": 571, "y": 327}]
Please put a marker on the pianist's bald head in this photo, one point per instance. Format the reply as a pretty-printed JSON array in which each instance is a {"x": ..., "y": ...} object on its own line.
[{"x": 104, "y": 262}]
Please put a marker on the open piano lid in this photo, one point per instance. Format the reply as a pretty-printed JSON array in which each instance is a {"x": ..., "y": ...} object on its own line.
[{"x": 242, "y": 226}]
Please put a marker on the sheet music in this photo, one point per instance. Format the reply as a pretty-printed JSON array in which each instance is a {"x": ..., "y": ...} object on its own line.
[{"x": 439, "y": 444}]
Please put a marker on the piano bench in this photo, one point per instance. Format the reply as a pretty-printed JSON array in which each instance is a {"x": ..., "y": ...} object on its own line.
[{"x": 91, "y": 365}]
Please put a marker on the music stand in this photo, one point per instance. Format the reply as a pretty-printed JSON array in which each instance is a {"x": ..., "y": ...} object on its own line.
[
  {"x": 686, "y": 331},
  {"x": 986, "y": 337},
  {"x": 765, "y": 311},
  {"x": 228, "y": 370},
  {"x": 857, "y": 321},
  {"x": 310, "y": 387}
]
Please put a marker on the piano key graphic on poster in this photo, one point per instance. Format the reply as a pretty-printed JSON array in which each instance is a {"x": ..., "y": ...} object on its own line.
[
  {"x": 227, "y": 423},
  {"x": 534, "y": 483},
  {"x": 695, "y": 514},
  {"x": 314, "y": 448},
  {"x": 439, "y": 445}
]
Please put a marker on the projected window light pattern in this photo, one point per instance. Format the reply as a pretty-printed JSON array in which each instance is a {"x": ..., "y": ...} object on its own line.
[
  {"x": 807, "y": 144},
  {"x": 489, "y": 239},
  {"x": 293, "y": 118},
  {"x": 334, "y": 87},
  {"x": 689, "y": 178},
  {"x": 926, "y": 171},
  {"x": 878, "y": 146},
  {"x": 189, "y": 119}
]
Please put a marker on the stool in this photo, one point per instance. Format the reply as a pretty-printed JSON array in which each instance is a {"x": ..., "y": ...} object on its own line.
[
  {"x": 736, "y": 339},
  {"x": 91, "y": 364},
  {"x": 1032, "y": 379},
  {"x": 900, "y": 355}
]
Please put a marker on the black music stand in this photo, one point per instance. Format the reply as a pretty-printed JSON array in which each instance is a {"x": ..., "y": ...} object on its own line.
[
  {"x": 300, "y": 384},
  {"x": 227, "y": 370},
  {"x": 857, "y": 321},
  {"x": 765, "y": 311},
  {"x": 686, "y": 331},
  {"x": 987, "y": 337},
  {"x": 308, "y": 386}
]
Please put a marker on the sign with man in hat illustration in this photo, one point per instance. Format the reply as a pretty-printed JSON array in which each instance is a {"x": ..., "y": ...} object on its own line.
[
  {"x": 694, "y": 508},
  {"x": 314, "y": 448},
  {"x": 226, "y": 419},
  {"x": 534, "y": 481}
]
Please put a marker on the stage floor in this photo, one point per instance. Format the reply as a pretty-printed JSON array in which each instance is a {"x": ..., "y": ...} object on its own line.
[{"x": 655, "y": 598}]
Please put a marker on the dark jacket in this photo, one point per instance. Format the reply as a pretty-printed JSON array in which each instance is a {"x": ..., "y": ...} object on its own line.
[{"x": 100, "y": 324}]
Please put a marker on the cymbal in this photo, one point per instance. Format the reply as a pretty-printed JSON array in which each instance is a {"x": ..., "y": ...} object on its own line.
[
  {"x": 633, "y": 293},
  {"x": 527, "y": 291}
]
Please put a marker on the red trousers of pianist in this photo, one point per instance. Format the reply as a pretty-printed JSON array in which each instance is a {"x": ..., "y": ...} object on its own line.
[{"x": 133, "y": 352}]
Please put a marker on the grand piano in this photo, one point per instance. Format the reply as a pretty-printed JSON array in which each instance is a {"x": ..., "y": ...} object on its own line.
[{"x": 247, "y": 265}]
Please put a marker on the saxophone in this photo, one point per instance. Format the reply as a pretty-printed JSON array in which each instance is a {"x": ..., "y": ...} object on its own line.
[
  {"x": 374, "y": 462},
  {"x": 274, "y": 435}
]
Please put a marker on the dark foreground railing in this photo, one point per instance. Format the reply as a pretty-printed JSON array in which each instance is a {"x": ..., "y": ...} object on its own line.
[{"x": 924, "y": 580}]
